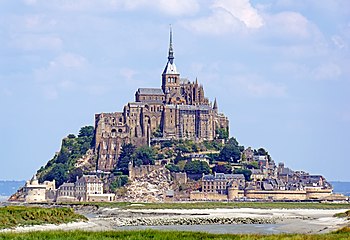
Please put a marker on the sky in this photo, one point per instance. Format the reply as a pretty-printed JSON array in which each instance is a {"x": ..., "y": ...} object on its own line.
[{"x": 280, "y": 70}]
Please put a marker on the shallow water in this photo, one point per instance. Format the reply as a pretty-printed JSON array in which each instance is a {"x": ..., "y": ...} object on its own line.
[{"x": 215, "y": 228}]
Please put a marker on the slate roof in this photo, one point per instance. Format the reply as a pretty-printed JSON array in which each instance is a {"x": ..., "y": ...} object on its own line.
[
  {"x": 150, "y": 91},
  {"x": 192, "y": 107}
]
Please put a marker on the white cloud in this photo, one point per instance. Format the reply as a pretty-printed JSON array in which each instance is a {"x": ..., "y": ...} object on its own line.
[
  {"x": 289, "y": 25},
  {"x": 339, "y": 41},
  {"x": 254, "y": 86},
  {"x": 63, "y": 73},
  {"x": 172, "y": 7},
  {"x": 127, "y": 73},
  {"x": 33, "y": 42},
  {"x": 169, "y": 7},
  {"x": 241, "y": 10},
  {"x": 227, "y": 16},
  {"x": 220, "y": 22},
  {"x": 327, "y": 71}
]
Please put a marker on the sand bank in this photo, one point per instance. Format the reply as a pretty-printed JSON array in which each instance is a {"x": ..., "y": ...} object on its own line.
[{"x": 287, "y": 220}]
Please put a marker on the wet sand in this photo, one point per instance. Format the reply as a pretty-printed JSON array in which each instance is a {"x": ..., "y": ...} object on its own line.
[{"x": 286, "y": 220}]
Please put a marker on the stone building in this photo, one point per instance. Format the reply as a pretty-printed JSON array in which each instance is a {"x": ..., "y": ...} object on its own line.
[
  {"x": 220, "y": 182},
  {"x": 176, "y": 110},
  {"x": 35, "y": 192}
]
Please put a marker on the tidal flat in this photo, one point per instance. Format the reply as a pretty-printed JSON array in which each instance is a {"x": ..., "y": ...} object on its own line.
[
  {"x": 210, "y": 220},
  {"x": 165, "y": 235}
]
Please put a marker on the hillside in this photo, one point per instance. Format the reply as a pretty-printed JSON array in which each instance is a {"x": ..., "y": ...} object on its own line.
[{"x": 73, "y": 159}]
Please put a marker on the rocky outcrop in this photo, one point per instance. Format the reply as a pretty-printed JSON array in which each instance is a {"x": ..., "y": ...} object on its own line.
[
  {"x": 150, "y": 188},
  {"x": 144, "y": 221}
]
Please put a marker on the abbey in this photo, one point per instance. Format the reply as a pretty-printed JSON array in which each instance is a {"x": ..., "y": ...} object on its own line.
[{"x": 177, "y": 110}]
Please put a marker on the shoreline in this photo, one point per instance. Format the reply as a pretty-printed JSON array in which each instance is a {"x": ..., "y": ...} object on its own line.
[{"x": 304, "y": 221}]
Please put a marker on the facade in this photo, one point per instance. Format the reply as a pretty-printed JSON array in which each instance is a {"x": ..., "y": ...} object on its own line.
[
  {"x": 88, "y": 188},
  {"x": 176, "y": 110},
  {"x": 219, "y": 182},
  {"x": 35, "y": 192}
]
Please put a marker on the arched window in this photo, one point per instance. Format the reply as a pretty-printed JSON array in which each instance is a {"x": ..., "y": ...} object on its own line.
[{"x": 113, "y": 132}]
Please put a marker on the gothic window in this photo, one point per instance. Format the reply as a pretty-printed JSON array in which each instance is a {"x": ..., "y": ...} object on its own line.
[
  {"x": 120, "y": 130},
  {"x": 113, "y": 132},
  {"x": 120, "y": 120}
]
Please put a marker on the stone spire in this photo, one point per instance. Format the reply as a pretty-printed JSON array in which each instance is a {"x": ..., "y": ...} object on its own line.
[
  {"x": 171, "y": 50},
  {"x": 170, "y": 67},
  {"x": 215, "y": 106}
]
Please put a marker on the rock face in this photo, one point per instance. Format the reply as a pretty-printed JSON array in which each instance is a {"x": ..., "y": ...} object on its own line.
[{"x": 150, "y": 188}]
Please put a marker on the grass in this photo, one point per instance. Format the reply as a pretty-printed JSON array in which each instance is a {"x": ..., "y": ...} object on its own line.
[
  {"x": 211, "y": 205},
  {"x": 13, "y": 216},
  {"x": 343, "y": 215},
  {"x": 164, "y": 235}
]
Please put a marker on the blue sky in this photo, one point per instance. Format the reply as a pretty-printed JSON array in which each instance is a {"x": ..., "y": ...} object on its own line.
[{"x": 279, "y": 69}]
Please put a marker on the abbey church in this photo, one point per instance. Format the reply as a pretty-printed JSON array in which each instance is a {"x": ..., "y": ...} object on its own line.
[{"x": 177, "y": 110}]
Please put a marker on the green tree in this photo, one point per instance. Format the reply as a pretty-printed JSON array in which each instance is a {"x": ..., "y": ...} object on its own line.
[
  {"x": 87, "y": 131},
  {"x": 125, "y": 157},
  {"x": 247, "y": 173},
  {"x": 196, "y": 167},
  {"x": 172, "y": 167},
  {"x": 157, "y": 133},
  {"x": 223, "y": 168},
  {"x": 262, "y": 152},
  {"x": 58, "y": 172},
  {"x": 178, "y": 158},
  {"x": 222, "y": 133},
  {"x": 231, "y": 152},
  {"x": 118, "y": 182},
  {"x": 144, "y": 155}
]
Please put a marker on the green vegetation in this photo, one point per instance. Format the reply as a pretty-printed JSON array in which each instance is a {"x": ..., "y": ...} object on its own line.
[
  {"x": 343, "y": 215},
  {"x": 144, "y": 156},
  {"x": 197, "y": 167},
  {"x": 13, "y": 216},
  {"x": 161, "y": 235},
  {"x": 222, "y": 133},
  {"x": 62, "y": 166},
  {"x": 119, "y": 181},
  {"x": 247, "y": 173},
  {"x": 173, "y": 168},
  {"x": 139, "y": 156},
  {"x": 223, "y": 168},
  {"x": 125, "y": 157},
  {"x": 231, "y": 152},
  {"x": 213, "y": 205}
]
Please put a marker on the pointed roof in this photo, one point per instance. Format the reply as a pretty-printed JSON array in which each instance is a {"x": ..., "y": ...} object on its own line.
[
  {"x": 171, "y": 50},
  {"x": 170, "y": 67},
  {"x": 215, "y": 106}
]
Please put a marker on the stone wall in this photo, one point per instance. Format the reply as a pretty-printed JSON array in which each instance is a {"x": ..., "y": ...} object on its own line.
[
  {"x": 276, "y": 195},
  {"x": 142, "y": 171},
  {"x": 180, "y": 178},
  {"x": 207, "y": 196},
  {"x": 314, "y": 193}
]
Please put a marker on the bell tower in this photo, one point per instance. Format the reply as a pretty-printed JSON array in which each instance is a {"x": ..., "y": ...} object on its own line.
[{"x": 170, "y": 76}]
